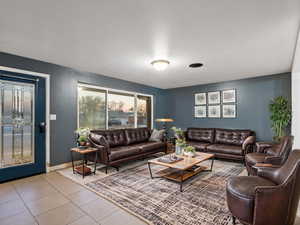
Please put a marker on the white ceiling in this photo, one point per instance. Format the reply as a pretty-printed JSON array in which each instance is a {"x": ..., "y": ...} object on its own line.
[{"x": 119, "y": 38}]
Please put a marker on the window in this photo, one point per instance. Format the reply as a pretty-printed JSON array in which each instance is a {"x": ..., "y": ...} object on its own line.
[
  {"x": 100, "y": 108},
  {"x": 143, "y": 111},
  {"x": 92, "y": 109},
  {"x": 121, "y": 109}
]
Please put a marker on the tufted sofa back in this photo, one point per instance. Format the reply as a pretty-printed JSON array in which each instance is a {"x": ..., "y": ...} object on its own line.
[
  {"x": 120, "y": 137},
  {"x": 201, "y": 134},
  {"x": 231, "y": 137},
  {"x": 113, "y": 137},
  {"x": 137, "y": 135}
]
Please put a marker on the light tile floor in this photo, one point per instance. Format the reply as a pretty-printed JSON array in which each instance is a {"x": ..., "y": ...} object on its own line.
[{"x": 51, "y": 199}]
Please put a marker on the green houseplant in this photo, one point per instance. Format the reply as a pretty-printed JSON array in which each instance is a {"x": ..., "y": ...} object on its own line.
[
  {"x": 82, "y": 135},
  {"x": 281, "y": 115},
  {"x": 189, "y": 151}
]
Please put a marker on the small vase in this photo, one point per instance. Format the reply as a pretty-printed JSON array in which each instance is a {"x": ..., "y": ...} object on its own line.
[
  {"x": 178, "y": 150},
  {"x": 82, "y": 143}
]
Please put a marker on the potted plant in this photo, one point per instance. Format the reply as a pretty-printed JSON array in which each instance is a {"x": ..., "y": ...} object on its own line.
[
  {"x": 180, "y": 140},
  {"x": 189, "y": 151},
  {"x": 281, "y": 115},
  {"x": 82, "y": 136}
]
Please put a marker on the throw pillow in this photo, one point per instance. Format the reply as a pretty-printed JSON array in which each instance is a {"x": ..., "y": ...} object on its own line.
[{"x": 157, "y": 135}]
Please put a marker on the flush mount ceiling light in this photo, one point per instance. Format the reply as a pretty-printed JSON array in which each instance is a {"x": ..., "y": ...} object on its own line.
[
  {"x": 160, "y": 64},
  {"x": 195, "y": 65}
]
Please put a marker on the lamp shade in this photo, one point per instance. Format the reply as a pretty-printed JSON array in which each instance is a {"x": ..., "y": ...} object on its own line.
[{"x": 164, "y": 120}]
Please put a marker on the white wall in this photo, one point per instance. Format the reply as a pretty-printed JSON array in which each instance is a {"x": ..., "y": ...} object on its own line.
[{"x": 296, "y": 96}]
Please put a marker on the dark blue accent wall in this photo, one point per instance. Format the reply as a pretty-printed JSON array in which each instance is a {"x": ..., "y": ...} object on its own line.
[
  {"x": 63, "y": 98},
  {"x": 253, "y": 97}
]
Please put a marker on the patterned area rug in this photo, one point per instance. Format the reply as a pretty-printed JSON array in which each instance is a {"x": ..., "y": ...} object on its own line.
[{"x": 160, "y": 202}]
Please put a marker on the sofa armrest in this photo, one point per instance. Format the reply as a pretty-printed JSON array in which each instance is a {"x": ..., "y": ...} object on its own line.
[
  {"x": 275, "y": 160},
  {"x": 262, "y": 147},
  {"x": 248, "y": 144},
  {"x": 104, "y": 145},
  {"x": 260, "y": 165},
  {"x": 267, "y": 172}
]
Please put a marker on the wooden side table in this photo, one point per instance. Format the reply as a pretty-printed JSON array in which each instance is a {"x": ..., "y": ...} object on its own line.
[{"x": 83, "y": 169}]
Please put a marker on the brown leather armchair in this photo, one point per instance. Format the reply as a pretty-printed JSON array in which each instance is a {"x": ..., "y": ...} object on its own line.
[
  {"x": 267, "y": 153},
  {"x": 271, "y": 198}
]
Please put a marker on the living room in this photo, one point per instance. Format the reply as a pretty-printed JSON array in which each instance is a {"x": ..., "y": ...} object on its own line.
[{"x": 135, "y": 112}]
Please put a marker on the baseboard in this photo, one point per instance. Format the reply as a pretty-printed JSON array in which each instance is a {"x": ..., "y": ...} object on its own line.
[{"x": 59, "y": 167}]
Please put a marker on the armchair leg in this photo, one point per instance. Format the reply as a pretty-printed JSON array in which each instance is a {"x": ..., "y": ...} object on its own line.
[
  {"x": 233, "y": 220},
  {"x": 106, "y": 169}
]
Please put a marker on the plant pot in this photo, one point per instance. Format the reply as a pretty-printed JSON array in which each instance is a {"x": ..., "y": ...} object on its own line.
[
  {"x": 189, "y": 154},
  {"x": 82, "y": 143}
]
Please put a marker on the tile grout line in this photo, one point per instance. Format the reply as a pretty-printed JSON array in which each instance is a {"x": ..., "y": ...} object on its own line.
[
  {"x": 26, "y": 205},
  {"x": 70, "y": 201}
]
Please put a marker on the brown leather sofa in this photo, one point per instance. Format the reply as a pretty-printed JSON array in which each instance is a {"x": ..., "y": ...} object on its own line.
[
  {"x": 224, "y": 143},
  {"x": 268, "y": 153},
  {"x": 118, "y": 146},
  {"x": 271, "y": 198}
]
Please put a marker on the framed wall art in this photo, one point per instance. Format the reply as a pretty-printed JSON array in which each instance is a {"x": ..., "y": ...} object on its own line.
[
  {"x": 200, "y": 99},
  {"x": 214, "y": 97},
  {"x": 229, "y": 111},
  {"x": 214, "y": 111},
  {"x": 200, "y": 111},
  {"x": 229, "y": 96}
]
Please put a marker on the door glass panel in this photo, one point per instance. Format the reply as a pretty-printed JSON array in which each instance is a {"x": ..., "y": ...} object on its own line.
[{"x": 16, "y": 123}]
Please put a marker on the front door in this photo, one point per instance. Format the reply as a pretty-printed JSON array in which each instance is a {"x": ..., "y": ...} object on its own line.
[{"x": 22, "y": 125}]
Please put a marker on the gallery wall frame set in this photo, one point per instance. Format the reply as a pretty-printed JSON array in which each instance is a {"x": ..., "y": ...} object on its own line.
[{"x": 213, "y": 104}]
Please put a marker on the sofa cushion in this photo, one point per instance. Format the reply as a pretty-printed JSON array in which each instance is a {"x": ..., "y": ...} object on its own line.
[
  {"x": 241, "y": 195},
  {"x": 255, "y": 157},
  {"x": 137, "y": 135},
  {"x": 199, "y": 146},
  {"x": 123, "y": 152},
  {"x": 200, "y": 134},
  {"x": 226, "y": 149},
  {"x": 231, "y": 137},
  {"x": 157, "y": 135},
  {"x": 150, "y": 146},
  {"x": 113, "y": 137}
]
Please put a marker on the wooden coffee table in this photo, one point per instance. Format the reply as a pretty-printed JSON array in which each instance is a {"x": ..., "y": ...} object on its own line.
[{"x": 182, "y": 170}]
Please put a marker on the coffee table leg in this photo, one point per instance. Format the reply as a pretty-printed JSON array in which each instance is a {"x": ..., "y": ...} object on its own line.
[
  {"x": 96, "y": 158},
  {"x": 181, "y": 180},
  {"x": 212, "y": 164},
  {"x": 150, "y": 170}
]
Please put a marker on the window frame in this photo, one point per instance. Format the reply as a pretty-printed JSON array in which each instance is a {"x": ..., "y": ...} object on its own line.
[{"x": 106, "y": 90}]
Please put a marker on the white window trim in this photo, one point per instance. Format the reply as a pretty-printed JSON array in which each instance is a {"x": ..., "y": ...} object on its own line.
[{"x": 84, "y": 85}]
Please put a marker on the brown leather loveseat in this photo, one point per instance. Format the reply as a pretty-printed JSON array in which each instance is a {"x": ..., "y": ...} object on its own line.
[
  {"x": 224, "y": 143},
  {"x": 117, "y": 146}
]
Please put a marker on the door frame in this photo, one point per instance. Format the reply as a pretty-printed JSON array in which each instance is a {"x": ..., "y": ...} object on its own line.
[{"x": 47, "y": 78}]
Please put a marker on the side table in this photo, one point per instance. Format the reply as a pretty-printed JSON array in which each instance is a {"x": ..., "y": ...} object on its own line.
[{"x": 83, "y": 169}]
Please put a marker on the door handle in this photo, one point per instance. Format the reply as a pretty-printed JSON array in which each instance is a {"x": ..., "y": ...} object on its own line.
[{"x": 42, "y": 127}]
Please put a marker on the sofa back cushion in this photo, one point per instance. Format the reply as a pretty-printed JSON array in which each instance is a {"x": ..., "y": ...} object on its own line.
[
  {"x": 113, "y": 137},
  {"x": 231, "y": 137},
  {"x": 201, "y": 134},
  {"x": 137, "y": 135}
]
